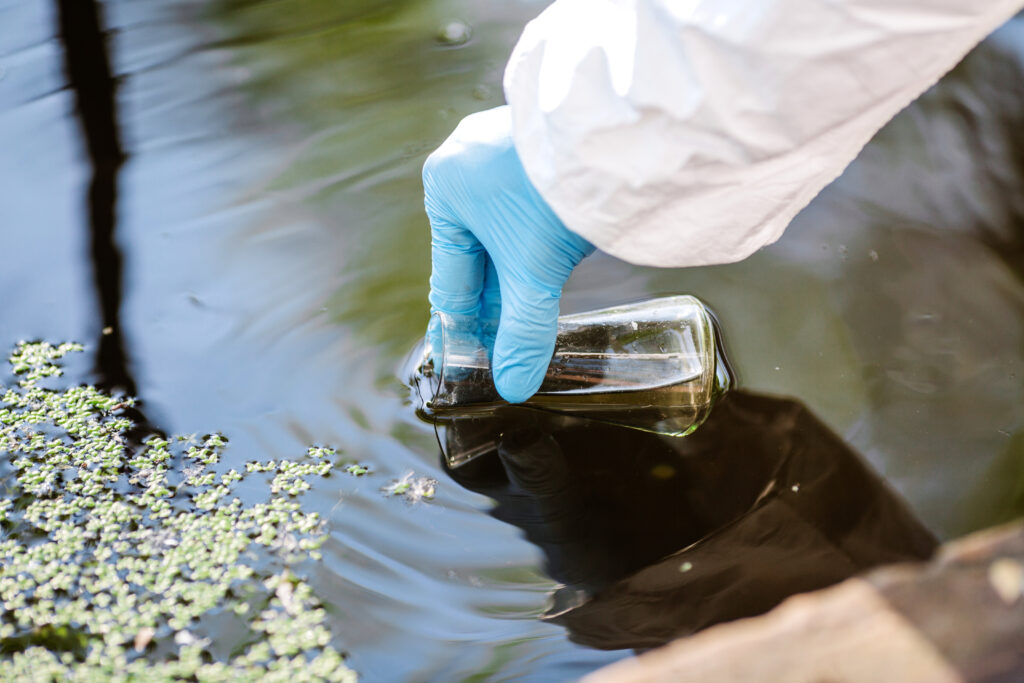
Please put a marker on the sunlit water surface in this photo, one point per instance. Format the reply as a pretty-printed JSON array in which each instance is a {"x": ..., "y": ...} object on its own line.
[{"x": 275, "y": 258}]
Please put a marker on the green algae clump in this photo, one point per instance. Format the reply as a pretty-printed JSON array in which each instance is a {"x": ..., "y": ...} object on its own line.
[{"x": 132, "y": 560}]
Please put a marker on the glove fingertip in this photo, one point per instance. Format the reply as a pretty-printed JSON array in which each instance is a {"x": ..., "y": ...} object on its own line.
[
  {"x": 522, "y": 354},
  {"x": 518, "y": 382}
]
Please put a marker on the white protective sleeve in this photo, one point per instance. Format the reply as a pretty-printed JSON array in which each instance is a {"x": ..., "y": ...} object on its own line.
[{"x": 691, "y": 132}]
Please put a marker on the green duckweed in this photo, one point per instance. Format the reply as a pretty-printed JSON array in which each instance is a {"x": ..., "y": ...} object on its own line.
[
  {"x": 122, "y": 560},
  {"x": 414, "y": 489}
]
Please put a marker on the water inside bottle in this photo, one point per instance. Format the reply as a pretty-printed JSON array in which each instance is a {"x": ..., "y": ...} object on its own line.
[{"x": 656, "y": 366}]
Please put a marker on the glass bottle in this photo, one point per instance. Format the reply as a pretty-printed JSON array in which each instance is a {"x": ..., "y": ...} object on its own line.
[{"x": 656, "y": 366}]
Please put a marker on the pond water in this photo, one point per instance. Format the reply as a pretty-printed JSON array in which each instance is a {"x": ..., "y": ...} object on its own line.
[{"x": 257, "y": 266}]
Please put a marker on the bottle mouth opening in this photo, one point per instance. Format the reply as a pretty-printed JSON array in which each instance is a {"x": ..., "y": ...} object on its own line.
[
  {"x": 419, "y": 375},
  {"x": 458, "y": 357},
  {"x": 435, "y": 348}
]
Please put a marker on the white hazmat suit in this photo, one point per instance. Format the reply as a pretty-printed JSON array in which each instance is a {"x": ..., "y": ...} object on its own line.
[{"x": 691, "y": 132}]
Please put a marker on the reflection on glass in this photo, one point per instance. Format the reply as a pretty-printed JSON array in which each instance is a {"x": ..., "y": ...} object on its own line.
[
  {"x": 654, "y": 366},
  {"x": 654, "y": 538}
]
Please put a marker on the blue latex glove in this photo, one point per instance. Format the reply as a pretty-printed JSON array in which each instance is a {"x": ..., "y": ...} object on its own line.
[{"x": 499, "y": 252}]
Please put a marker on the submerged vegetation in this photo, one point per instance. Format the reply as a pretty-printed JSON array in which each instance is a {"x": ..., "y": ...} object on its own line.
[{"x": 132, "y": 559}]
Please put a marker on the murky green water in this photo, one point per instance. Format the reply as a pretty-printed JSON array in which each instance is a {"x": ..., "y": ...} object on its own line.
[{"x": 275, "y": 258}]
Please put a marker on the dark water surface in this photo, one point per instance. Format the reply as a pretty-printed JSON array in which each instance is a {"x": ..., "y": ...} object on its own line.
[{"x": 246, "y": 222}]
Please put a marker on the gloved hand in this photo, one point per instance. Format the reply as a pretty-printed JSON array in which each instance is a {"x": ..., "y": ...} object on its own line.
[{"x": 498, "y": 251}]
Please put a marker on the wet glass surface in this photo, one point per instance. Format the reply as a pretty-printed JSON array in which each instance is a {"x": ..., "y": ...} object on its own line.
[{"x": 274, "y": 257}]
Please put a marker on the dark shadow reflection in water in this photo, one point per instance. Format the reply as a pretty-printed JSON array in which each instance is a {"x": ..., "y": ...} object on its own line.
[
  {"x": 656, "y": 537},
  {"x": 87, "y": 68},
  {"x": 89, "y": 77}
]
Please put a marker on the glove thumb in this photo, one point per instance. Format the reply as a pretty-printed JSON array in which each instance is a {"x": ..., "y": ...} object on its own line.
[{"x": 525, "y": 341}]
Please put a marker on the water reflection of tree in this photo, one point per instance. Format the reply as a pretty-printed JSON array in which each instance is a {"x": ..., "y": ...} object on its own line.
[
  {"x": 87, "y": 68},
  {"x": 364, "y": 91}
]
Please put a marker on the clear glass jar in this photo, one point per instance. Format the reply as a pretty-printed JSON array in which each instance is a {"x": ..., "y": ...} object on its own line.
[{"x": 655, "y": 366}]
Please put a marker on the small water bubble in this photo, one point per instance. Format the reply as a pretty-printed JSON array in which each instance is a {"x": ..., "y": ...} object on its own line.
[
  {"x": 685, "y": 567},
  {"x": 795, "y": 488},
  {"x": 454, "y": 33},
  {"x": 925, "y": 317}
]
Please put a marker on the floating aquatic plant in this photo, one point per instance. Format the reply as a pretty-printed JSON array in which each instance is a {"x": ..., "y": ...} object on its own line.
[
  {"x": 413, "y": 488},
  {"x": 124, "y": 560}
]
